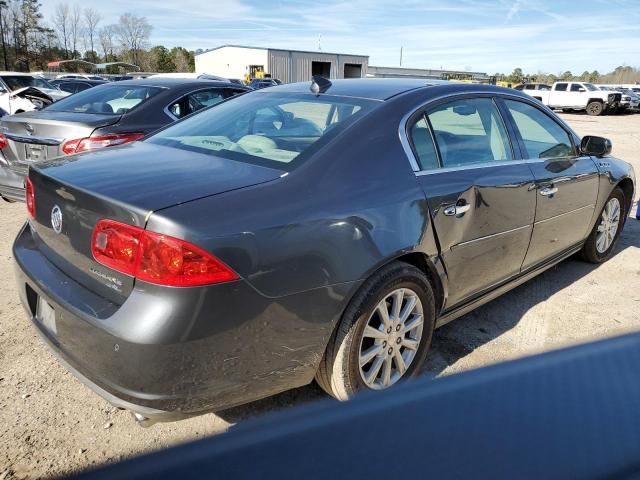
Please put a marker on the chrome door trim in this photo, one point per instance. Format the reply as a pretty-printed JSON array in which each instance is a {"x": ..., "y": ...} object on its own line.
[
  {"x": 493, "y": 235},
  {"x": 592, "y": 207}
]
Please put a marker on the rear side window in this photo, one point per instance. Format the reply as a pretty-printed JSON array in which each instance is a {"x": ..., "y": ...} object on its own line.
[
  {"x": 543, "y": 137},
  {"x": 105, "y": 99},
  {"x": 423, "y": 145},
  {"x": 561, "y": 87},
  {"x": 267, "y": 129},
  {"x": 196, "y": 101},
  {"x": 470, "y": 131}
]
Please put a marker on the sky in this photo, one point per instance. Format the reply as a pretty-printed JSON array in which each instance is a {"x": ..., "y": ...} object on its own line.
[{"x": 479, "y": 35}]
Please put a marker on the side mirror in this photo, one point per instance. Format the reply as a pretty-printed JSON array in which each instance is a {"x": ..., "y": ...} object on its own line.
[
  {"x": 582, "y": 90},
  {"x": 596, "y": 146}
]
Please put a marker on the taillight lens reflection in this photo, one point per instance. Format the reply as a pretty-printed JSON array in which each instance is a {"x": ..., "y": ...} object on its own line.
[
  {"x": 156, "y": 258},
  {"x": 30, "y": 197},
  {"x": 78, "y": 145}
]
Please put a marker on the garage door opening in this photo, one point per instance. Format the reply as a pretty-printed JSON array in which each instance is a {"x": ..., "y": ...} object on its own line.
[
  {"x": 321, "y": 68},
  {"x": 352, "y": 70}
]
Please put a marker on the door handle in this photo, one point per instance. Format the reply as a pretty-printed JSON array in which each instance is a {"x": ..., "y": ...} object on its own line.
[
  {"x": 456, "y": 210},
  {"x": 548, "y": 191}
]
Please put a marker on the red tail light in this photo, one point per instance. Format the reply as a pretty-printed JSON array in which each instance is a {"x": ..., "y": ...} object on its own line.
[
  {"x": 30, "y": 197},
  {"x": 102, "y": 141},
  {"x": 3, "y": 141},
  {"x": 155, "y": 258}
]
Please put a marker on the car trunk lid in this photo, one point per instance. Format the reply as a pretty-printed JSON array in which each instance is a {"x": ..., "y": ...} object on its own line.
[
  {"x": 124, "y": 184},
  {"x": 39, "y": 136}
]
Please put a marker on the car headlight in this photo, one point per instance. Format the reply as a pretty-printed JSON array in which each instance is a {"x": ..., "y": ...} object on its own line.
[{"x": 626, "y": 99}]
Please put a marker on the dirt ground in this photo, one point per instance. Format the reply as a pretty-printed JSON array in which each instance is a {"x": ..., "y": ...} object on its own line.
[{"x": 50, "y": 424}]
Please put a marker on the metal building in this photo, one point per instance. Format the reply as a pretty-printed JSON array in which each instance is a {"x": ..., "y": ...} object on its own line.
[
  {"x": 235, "y": 61},
  {"x": 400, "y": 72}
]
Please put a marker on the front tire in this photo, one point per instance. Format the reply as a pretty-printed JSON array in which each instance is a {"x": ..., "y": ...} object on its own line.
[
  {"x": 599, "y": 245},
  {"x": 595, "y": 108},
  {"x": 384, "y": 334}
]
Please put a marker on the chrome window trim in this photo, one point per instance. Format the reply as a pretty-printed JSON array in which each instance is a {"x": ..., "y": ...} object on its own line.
[
  {"x": 413, "y": 161},
  {"x": 473, "y": 166}
]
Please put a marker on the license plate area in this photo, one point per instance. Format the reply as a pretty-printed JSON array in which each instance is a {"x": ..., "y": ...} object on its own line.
[
  {"x": 35, "y": 153},
  {"x": 46, "y": 315}
]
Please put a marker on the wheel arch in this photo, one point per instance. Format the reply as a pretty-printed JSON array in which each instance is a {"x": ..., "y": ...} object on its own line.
[{"x": 626, "y": 185}]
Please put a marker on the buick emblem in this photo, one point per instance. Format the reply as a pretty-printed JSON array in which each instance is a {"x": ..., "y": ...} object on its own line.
[
  {"x": 56, "y": 219},
  {"x": 29, "y": 128}
]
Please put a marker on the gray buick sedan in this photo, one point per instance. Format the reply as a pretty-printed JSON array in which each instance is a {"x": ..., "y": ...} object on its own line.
[{"x": 307, "y": 231}]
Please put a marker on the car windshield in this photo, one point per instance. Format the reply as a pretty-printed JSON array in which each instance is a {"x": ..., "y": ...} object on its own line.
[
  {"x": 590, "y": 87},
  {"x": 15, "y": 82},
  {"x": 105, "y": 99},
  {"x": 270, "y": 129}
]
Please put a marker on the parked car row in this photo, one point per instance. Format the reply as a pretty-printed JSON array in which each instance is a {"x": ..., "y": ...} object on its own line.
[
  {"x": 106, "y": 115},
  {"x": 305, "y": 231},
  {"x": 584, "y": 96}
]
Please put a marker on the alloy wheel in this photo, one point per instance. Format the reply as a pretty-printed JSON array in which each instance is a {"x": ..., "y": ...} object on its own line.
[
  {"x": 391, "y": 339},
  {"x": 608, "y": 227}
]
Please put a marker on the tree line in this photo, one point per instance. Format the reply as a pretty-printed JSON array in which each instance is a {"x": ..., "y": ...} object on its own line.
[
  {"x": 621, "y": 75},
  {"x": 28, "y": 41}
]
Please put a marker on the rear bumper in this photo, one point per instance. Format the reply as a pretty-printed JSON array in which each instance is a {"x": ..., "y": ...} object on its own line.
[
  {"x": 11, "y": 184},
  {"x": 169, "y": 352}
]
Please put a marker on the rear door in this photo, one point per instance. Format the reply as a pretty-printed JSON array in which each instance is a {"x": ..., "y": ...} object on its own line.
[
  {"x": 480, "y": 194},
  {"x": 566, "y": 183}
]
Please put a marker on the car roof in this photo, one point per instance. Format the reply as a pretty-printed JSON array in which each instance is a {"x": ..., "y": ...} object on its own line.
[
  {"x": 385, "y": 88},
  {"x": 168, "y": 82},
  {"x": 20, "y": 74}
]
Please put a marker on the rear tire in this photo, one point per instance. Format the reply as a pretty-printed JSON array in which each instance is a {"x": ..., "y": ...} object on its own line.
[
  {"x": 595, "y": 108},
  {"x": 397, "y": 348},
  {"x": 601, "y": 241}
]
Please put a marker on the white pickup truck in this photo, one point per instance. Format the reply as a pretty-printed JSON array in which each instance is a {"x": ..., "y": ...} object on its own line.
[{"x": 578, "y": 96}]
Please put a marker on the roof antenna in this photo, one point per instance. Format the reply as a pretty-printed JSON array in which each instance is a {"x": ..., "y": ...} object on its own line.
[{"x": 319, "y": 85}]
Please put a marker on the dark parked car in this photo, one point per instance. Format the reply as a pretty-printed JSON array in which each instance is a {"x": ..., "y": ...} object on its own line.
[
  {"x": 533, "y": 86},
  {"x": 103, "y": 116},
  {"x": 289, "y": 235},
  {"x": 75, "y": 85},
  {"x": 259, "y": 83}
]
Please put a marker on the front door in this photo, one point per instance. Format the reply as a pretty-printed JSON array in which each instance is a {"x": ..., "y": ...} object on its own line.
[
  {"x": 566, "y": 183},
  {"x": 480, "y": 197}
]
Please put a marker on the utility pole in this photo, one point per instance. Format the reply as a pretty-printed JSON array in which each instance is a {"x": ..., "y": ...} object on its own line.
[
  {"x": 401, "y": 56},
  {"x": 320, "y": 42}
]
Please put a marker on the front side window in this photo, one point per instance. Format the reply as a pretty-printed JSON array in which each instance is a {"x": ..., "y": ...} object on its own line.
[
  {"x": 105, "y": 99},
  {"x": 542, "y": 136},
  {"x": 270, "y": 129},
  {"x": 576, "y": 87},
  {"x": 470, "y": 131}
]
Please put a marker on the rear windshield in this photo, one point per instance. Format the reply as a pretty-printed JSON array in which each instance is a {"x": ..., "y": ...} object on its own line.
[
  {"x": 105, "y": 99},
  {"x": 15, "y": 82},
  {"x": 272, "y": 129}
]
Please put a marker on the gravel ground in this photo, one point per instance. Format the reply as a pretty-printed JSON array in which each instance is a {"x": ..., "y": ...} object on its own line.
[{"x": 50, "y": 424}]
